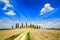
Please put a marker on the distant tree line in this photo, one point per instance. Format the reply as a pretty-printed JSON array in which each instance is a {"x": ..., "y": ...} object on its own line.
[{"x": 26, "y": 26}]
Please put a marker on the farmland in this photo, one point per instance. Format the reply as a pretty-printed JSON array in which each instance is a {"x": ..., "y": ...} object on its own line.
[
  {"x": 45, "y": 34},
  {"x": 8, "y": 33},
  {"x": 32, "y": 34}
]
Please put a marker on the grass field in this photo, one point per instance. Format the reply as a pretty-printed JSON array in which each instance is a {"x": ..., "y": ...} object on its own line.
[{"x": 33, "y": 34}]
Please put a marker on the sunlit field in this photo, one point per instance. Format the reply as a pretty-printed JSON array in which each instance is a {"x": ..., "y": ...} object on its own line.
[
  {"x": 39, "y": 34},
  {"x": 33, "y": 34},
  {"x": 8, "y": 33}
]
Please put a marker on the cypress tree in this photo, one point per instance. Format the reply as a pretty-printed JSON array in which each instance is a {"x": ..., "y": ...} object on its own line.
[
  {"x": 37, "y": 26},
  {"x": 26, "y": 24},
  {"x": 12, "y": 26},
  {"x": 22, "y": 25},
  {"x": 17, "y": 25}
]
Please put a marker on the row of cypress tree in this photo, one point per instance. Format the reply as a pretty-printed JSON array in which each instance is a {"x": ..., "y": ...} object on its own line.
[{"x": 26, "y": 26}]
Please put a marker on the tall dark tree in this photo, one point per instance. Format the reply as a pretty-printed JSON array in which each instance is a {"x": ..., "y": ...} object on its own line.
[
  {"x": 26, "y": 24},
  {"x": 37, "y": 26},
  {"x": 12, "y": 26},
  {"x": 17, "y": 25},
  {"x": 22, "y": 25}
]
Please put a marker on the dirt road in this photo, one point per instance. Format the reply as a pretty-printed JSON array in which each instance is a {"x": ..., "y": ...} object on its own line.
[{"x": 22, "y": 36}]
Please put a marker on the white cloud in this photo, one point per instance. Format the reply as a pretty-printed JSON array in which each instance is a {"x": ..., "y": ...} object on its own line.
[
  {"x": 11, "y": 13},
  {"x": 7, "y": 4},
  {"x": 47, "y": 8}
]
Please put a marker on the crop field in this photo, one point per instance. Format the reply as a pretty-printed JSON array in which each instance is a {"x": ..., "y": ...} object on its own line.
[
  {"x": 8, "y": 33},
  {"x": 30, "y": 34},
  {"x": 45, "y": 34}
]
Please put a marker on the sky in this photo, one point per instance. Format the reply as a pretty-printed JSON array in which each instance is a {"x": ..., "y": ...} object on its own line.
[{"x": 42, "y": 12}]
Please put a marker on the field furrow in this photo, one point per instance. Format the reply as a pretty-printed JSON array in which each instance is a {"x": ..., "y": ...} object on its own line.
[{"x": 45, "y": 35}]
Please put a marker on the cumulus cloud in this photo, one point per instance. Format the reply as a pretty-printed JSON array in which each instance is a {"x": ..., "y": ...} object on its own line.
[
  {"x": 11, "y": 13},
  {"x": 7, "y": 4},
  {"x": 47, "y": 8}
]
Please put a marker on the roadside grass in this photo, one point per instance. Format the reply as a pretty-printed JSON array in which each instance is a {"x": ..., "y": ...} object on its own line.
[
  {"x": 27, "y": 36},
  {"x": 12, "y": 37}
]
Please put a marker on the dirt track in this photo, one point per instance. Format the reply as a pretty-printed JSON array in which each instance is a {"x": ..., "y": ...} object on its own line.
[{"x": 22, "y": 36}]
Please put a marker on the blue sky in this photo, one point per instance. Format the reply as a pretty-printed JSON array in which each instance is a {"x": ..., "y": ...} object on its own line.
[{"x": 42, "y": 12}]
